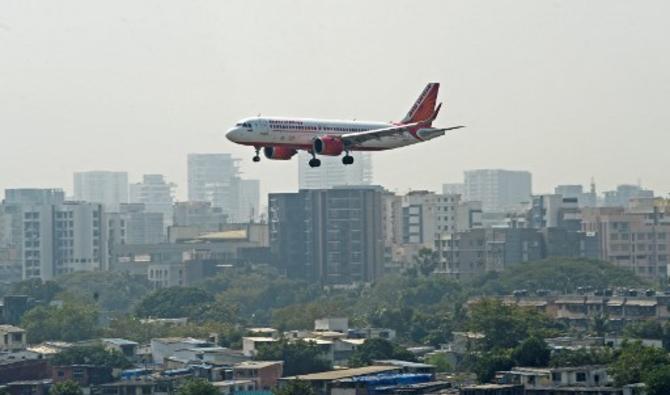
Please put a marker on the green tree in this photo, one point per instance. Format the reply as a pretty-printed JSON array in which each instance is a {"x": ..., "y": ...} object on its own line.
[
  {"x": 581, "y": 357},
  {"x": 299, "y": 357},
  {"x": 43, "y": 292},
  {"x": 295, "y": 387},
  {"x": 504, "y": 326},
  {"x": 71, "y": 322},
  {"x": 197, "y": 387},
  {"x": 94, "y": 355},
  {"x": 109, "y": 290},
  {"x": 67, "y": 387},
  {"x": 426, "y": 261},
  {"x": 644, "y": 330},
  {"x": 532, "y": 352},
  {"x": 378, "y": 348},
  {"x": 173, "y": 302},
  {"x": 634, "y": 361},
  {"x": 658, "y": 381},
  {"x": 489, "y": 363},
  {"x": 440, "y": 361}
]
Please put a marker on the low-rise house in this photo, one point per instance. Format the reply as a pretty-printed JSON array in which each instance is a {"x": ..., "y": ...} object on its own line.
[
  {"x": 84, "y": 375},
  {"x": 126, "y": 347},
  {"x": 12, "y": 338},
  {"x": 250, "y": 344},
  {"x": 322, "y": 382},
  {"x": 145, "y": 385},
  {"x": 408, "y": 366},
  {"x": 29, "y": 387},
  {"x": 23, "y": 365},
  {"x": 163, "y": 348},
  {"x": 213, "y": 355},
  {"x": 541, "y": 381},
  {"x": 264, "y": 374},
  {"x": 492, "y": 389},
  {"x": 232, "y": 387}
]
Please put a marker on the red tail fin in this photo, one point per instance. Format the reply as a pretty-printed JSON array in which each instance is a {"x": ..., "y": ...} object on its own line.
[{"x": 424, "y": 107}]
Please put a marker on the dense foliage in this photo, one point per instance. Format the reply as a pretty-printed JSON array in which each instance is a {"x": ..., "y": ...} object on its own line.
[
  {"x": 174, "y": 302},
  {"x": 299, "y": 357},
  {"x": 295, "y": 387},
  {"x": 557, "y": 274},
  {"x": 377, "y": 349},
  {"x": 94, "y": 355},
  {"x": 67, "y": 387},
  {"x": 197, "y": 386},
  {"x": 110, "y": 291},
  {"x": 71, "y": 322}
]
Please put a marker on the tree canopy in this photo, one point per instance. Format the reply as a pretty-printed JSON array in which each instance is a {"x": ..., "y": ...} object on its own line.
[
  {"x": 378, "y": 348},
  {"x": 299, "y": 357},
  {"x": 71, "y": 322},
  {"x": 173, "y": 302},
  {"x": 67, "y": 387},
  {"x": 95, "y": 355},
  {"x": 197, "y": 386}
]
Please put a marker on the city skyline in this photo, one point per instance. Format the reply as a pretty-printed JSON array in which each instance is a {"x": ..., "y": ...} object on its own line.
[{"x": 133, "y": 86}]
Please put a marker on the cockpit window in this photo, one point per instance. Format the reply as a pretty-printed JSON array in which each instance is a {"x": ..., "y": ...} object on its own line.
[{"x": 243, "y": 124}]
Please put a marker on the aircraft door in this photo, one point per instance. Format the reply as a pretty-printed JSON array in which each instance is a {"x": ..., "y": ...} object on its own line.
[{"x": 263, "y": 126}]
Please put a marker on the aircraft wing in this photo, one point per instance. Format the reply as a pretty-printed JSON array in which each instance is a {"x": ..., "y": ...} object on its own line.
[{"x": 350, "y": 139}]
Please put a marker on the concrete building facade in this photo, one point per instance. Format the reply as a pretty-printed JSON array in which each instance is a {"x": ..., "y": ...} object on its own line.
[
  {"x": 498, "y": 190},
  {"x": 109, "y": 188}
]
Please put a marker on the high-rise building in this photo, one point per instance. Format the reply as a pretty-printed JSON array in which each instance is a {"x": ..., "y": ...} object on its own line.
[
  {"x": 584, "y": 199},
  {"x": 248, "y": 201},
  {"x": 59, "y": 239},
  {"x": 156, "y": 195},
  {"x": 214, "y": 178},
  {"x": 109, "y": 188},
  {"x": 333, "y": 236},
  {"x": 333, "y": 173},
  {"x": 12, "y": 243},
  {"x": 623, "y": 194},
  {"x": 209, "y": 175},
  {"x": 498, "y": 190},
  {"x": 199, "y": 215},
  {"x": 638, "y": 240},
  {"x": 454, "y": 188},
  {"x": 134, "y": 225}
]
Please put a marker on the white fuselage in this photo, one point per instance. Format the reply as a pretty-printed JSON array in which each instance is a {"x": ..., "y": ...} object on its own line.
[{"x": 300, "y": 133}]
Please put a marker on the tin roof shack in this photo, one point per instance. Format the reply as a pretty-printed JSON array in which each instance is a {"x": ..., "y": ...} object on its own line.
[
  {"x": 492, "y": 389},
  {"x": 407, "y": 366},
  {"x": 23, "y": 365},
  {"x": 145, "y": 385},
  {"x": 378, "y": 384},
  {"x": 29, "y": 387},
  {"x": 264, "y": 374},
  {"x": 323, "y": 382},
  {"x": 84, "y": 375},
  {"x": 163, "y": 348}
]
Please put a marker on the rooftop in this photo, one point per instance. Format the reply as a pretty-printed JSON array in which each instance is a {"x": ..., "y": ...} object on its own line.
[
  {"x": 404, "y": 364},
  {"x": 11, "y": 328},
  {"x": 343, "y": 373},
  {"x": 257, "y": 364},
  {"x": 119, "y": 342}
]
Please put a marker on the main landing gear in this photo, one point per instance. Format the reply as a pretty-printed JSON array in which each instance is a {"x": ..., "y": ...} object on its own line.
[
  {"x": 314, "y": 162},
  {"x": 347, "y": 159},
  {"x": 257, "y": 157}
]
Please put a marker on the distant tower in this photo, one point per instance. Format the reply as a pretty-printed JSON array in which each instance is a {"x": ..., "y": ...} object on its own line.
[{"x": 593, "y": 186}]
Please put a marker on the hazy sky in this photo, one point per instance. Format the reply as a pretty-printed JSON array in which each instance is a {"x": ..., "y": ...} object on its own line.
[{"x": 565, "y": 89}]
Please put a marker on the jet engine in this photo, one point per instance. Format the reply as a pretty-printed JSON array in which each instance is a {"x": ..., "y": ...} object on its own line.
[
  {"x": 328, "y": 145},
  {"x": 279, "y": 153}
]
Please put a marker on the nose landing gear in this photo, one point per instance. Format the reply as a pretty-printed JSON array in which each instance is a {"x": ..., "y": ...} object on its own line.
[
  {"x": 347, "y": 159},
  {"x": 257, "y": 157}
]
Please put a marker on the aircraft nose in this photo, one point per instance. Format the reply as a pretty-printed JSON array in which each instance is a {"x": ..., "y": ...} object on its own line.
[{"x": 231, "y": 134}]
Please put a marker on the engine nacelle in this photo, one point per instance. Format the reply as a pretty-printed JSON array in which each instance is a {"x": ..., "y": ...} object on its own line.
[
  {"x": 279, "y": 153},
  {"x": 328, "y": 145}
]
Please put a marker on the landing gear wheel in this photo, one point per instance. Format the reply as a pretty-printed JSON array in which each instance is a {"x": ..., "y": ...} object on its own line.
[
  {"x": 347, "y": 160},
  {"x": 257, "y": 157},
  {"x": 314, "y": 162}
]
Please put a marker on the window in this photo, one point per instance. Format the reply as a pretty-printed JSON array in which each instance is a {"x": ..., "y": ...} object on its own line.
[{"x": 580, "y": 377}]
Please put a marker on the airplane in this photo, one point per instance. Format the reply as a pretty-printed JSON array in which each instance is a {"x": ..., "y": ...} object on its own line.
[{"x": 281, "y": 138}]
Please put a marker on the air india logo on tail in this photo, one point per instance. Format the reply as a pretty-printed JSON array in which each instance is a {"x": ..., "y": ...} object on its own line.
[{"x": 424, "y": 106}]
